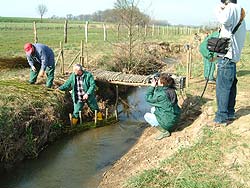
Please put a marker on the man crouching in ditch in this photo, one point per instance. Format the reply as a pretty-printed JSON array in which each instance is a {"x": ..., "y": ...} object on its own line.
[{"x": 165, "y": 112}]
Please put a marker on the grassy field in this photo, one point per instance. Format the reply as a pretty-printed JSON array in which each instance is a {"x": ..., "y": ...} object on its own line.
[{"x": 15, "y": 32}]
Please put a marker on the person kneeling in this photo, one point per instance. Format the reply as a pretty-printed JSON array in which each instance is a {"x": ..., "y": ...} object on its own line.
[{"x": 165, "y": 112}]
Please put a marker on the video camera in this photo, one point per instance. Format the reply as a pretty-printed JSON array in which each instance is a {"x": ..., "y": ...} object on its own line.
[{"x": 155, "y": 77}]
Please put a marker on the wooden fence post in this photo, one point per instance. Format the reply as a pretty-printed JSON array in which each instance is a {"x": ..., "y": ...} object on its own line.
[
  {"x": 145, "y": 30},
  {"x": 66, "y": 31},
  {"x": 153, "y": 30},
  {"x": 116, "y": 102},
  {"x": 95, "y": 117},
  {"x": 188, "y": 65},
  {"x": 62, "y": 58},
  {"x": 74, "y": 59},
  {"x": 35, "y": 32},
  {"x": 106, "y": 113},
  {"x": 104, "y": 32},
  {"x": 86, "y": 31},
  {"x": 81, "y": 57},
  {"x": 118, "y": 31}
]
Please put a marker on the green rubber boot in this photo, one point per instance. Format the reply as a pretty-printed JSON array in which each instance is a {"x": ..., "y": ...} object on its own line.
[
  {"x": 163, "y": 135},
  {"x": 160, "y": 129}
]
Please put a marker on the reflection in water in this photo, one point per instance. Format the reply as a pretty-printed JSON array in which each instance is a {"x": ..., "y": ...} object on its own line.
[{"x": 80, "y": 160}]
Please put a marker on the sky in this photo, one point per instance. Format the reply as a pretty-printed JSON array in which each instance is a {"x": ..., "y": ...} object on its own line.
[{"x": 186, "y": 12}]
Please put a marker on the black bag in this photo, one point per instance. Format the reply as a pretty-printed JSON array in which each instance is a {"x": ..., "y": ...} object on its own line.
[{"x": 218, "y": 45}]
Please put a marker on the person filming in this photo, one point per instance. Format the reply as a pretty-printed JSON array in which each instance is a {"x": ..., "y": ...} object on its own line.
[{"x": 165, "y": 112}]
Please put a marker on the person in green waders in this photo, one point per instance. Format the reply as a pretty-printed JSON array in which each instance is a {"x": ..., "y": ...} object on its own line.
[
  {"x": 41, "y": 60},
  {"x": 209, "y": 58},
  {"x": 83, "y": 87},
  {"x": 165, "y": 112}
]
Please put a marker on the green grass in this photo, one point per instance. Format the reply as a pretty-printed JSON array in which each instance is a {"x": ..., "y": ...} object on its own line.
[
  {"x": 26, "y": 111},
  {"x": 15, "y": 32},
  {"x": 200, "y": 166},
  {"x": 204, "y": 164}
]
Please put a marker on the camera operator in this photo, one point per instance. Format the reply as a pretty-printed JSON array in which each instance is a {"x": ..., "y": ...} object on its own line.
[{"x": 165, "y": 112}]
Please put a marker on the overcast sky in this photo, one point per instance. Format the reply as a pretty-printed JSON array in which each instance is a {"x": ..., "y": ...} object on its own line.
[{"x": 187, "y": 12}]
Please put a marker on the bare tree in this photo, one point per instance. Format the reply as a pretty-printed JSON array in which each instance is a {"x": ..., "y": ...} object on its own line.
[
  {"x": 130, "y": 17},
  {"x": 42, "y": 9}
]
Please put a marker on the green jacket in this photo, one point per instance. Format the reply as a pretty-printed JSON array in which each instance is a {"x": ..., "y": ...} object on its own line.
[
  {"x": 88, "y": 85},
  {"x": 167, "y": 114},
  {"x": 203, "y": 46}
]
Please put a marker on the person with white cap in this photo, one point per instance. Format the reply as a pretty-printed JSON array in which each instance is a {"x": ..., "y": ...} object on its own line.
[
  {"x": 41, "y": 60},
  {"x": 231, "y": 17},
  {"x": 83, "y": 86}
]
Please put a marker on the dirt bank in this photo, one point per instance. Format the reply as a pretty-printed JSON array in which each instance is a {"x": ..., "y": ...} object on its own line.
[{"x": 148, "y": 153}]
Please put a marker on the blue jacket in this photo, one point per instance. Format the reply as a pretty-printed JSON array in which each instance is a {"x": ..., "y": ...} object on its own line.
[{"x": 42, "y": 55}]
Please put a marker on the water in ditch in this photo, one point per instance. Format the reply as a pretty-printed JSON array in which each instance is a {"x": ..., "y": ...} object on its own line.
[{"x": 79, "y": 161}]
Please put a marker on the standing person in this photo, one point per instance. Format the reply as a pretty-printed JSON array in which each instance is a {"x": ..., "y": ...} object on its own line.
[
  {"x": 165, "y": 111},
  {"x": 229, "y": 14},
  {"x": 41, "y": 60},
  {"x": 83, "y": 87},
  {"x": 209, "y": 60}
]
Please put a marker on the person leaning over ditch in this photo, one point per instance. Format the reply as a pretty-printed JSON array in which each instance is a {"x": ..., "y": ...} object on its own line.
[
  {"x": 209, "y": 58},
  {"x": 83, "y": 86},
  {"x": 41, "y": 59},
  {"x": 165, "y": 112}
]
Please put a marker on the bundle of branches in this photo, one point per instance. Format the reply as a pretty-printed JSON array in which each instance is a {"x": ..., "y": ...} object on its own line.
[{"x": 140, "y": 61}]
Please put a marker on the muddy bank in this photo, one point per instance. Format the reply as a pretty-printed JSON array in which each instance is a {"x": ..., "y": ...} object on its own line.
[
  {"x": 13, "y": 63},
  {"x": 147, "y": 153}
]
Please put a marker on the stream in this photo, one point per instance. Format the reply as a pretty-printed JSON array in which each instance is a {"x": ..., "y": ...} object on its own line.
[{"x": 79, "y": 161}]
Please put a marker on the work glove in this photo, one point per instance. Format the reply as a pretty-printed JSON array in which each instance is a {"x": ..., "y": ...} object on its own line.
[
  {"x": 33, "y": 68},
  {"x": 41, "y": 73}
]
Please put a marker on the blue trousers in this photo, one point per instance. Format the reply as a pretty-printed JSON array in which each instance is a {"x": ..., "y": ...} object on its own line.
[{"x": 226, "y": 90}]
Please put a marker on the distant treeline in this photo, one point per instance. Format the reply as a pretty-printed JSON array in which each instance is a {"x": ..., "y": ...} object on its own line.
[{"x": 111, "y": 16}]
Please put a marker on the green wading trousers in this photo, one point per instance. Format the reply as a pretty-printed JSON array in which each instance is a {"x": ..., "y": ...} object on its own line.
[
  {"x": 91, "y": 103},
  {"x": 50, "y": 71}
]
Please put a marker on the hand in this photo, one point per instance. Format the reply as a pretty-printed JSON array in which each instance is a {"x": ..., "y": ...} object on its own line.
[
  {"x": 33, "y": 68},
  {"x": 41, "y": 73},
  {"x": 85, "y": 96},
  {"x": 243, "y": 14},
  {"x": 212, "y": 59},
  {"x": 154, "y": 82}
]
